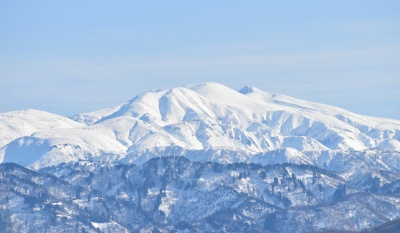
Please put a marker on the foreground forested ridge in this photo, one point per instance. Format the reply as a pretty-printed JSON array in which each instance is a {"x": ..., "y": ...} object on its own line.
[{"x": 174, "y": 194}]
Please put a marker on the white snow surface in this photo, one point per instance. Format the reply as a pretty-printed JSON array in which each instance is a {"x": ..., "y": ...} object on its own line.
[
  {"x": 23, "y": 123},
  {"x": 203, "y": 122},
  {"x": 17, "y": 124}
]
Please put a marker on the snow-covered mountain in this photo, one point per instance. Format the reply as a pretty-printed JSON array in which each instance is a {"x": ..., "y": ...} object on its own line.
[
  {"x": 23, "y": 123},
  {"x": 209, "y": 122},
  {"x": 17, "y": 124},
  {"x": 200, "y": 158}
]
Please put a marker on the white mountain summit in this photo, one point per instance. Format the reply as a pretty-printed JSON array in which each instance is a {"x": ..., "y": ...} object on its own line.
[{"x": 204, "y": 122}]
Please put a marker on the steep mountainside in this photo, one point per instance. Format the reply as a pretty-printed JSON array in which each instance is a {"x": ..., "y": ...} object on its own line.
[{"x": 211, "y": 122}]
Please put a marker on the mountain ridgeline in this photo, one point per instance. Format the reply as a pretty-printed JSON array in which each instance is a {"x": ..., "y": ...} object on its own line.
[
  {"x": 203, "y": 122},
  {"x": 200, "y": 158}
]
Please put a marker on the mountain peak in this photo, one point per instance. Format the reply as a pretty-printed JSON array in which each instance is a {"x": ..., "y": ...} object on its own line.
[
  {"x": 210, "y": 88},
  {"x": 205, "y": 85},
  {"x": 207, "y": 121},
  {"x": 248, "y": 89}
]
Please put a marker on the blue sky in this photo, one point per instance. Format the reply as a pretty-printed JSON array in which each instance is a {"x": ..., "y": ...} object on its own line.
[{"x": 68, "y": 57}]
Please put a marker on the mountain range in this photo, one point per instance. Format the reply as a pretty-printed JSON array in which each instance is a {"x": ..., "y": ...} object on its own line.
[
  {"x": 200, "y": 158},
  {"x": 203, "y": 122}
]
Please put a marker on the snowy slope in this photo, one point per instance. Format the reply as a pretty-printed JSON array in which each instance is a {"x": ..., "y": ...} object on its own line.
[
  {"x": 22, "y": 123},
  {"x": 26, "y": 122},
  {"x": 206, "y": 122}
]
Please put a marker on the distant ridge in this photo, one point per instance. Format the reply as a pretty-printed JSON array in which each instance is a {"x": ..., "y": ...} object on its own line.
[{"x": 203, "y": 122}]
